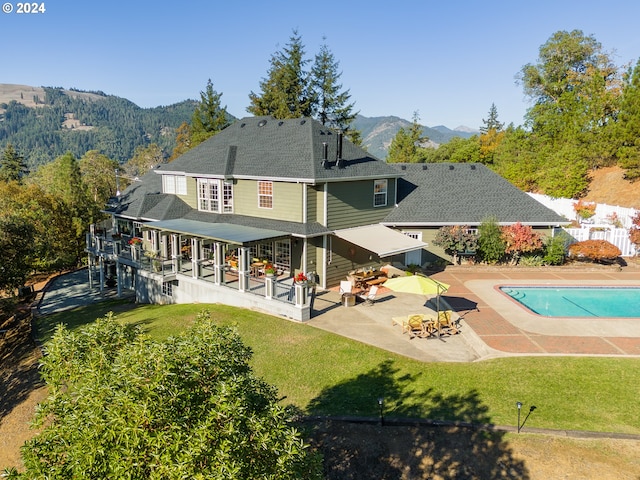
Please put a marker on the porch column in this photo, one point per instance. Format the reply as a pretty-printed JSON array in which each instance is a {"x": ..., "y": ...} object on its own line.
[
  {"x": 195, "y": 257},
  {"x": 218, "y": 263},
  {"x": 119, "y": 278},
  {"x": 164, "y": 247},
  {"x": 90, "y": 270},
  {"x": 243, "y": 268},
  {"x": 101, "y": 262},
  {"x": 176, "y": 255}
]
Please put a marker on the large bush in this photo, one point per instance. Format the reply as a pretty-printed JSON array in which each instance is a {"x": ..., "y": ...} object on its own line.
[
  {"x": 594, "y": 250},
  {"x": 491, "y": 246},
  {"x": 123, "y": 406}
]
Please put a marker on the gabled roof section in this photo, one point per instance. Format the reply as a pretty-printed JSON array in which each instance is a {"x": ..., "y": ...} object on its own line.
[
  {"x": 463, "y": 194},
  {"x": 144, "y": 200},
  {"x": 288, "y": 150}
]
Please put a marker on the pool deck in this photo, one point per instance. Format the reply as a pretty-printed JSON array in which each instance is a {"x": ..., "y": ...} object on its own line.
[
  {"x": 493, "y": 326},
  {"x": 508, "y": 327}
]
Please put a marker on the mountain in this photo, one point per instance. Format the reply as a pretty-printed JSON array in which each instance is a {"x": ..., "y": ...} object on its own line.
[
  {"x": 378, "y": 132},
  {"x": 45, "y": 122}
]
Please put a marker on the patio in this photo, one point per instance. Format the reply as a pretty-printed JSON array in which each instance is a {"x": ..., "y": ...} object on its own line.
[{"x": 489, "y": 327}]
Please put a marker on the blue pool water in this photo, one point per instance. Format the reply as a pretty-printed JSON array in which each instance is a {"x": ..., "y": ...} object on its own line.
[{"x": 623, "y": 302}]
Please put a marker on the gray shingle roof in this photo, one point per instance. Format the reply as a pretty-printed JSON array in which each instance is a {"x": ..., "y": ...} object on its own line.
[
  {"x": 263, "y": 147},
  {"x": 144, "y": 200},
  {"x": 464, "y": 194}
]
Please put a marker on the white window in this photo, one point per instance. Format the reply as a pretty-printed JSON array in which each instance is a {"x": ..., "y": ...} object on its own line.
[
  {"x": 380, "y": 193},
  {"x": 167, "y": 288},
  {"x": 265, "y": 194},
  {"x": 214, "y": 194},
  {"x": 176, "y": 184}
]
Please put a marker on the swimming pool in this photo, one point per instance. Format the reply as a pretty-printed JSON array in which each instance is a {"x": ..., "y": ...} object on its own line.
[{"x": 619, "y": 302}]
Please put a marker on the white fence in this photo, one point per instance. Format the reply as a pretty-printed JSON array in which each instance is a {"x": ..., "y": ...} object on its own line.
[
  {"x": 604, "y": 213},
  {"x": 600, "y": 227},
  {"x": 617, "y": 236}
]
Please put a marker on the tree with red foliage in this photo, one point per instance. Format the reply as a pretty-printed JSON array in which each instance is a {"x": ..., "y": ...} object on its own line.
[{"x": 520, "y": 239}]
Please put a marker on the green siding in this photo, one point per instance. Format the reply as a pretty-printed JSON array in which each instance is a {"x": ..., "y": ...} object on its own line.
[
  {"x": 287, "y": 200},
  {"x": 350, "y": 204},
  {"x": 191, "y": 198}
]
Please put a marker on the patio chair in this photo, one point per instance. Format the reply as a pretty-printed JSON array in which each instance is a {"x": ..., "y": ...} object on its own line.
[
  {"x": 446, "y": 324},
  {"x": 416, "y": 326},
  {"x": 345, "y": 286},
  {"x": 370, "y": 297}
]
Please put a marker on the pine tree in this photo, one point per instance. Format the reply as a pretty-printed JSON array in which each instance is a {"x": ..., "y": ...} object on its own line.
[
  {"x": 208, "y": 118},
  {"x": 628, "y": 126},
  {"x": 492, "y": 123},
  {"x": 491, "y": 136},
  {"x": 286, "y": 92},
  {"x": 12, "y": 165},
  {"x": 405, "y": 147},
  {"x": 332, "y": 108}
]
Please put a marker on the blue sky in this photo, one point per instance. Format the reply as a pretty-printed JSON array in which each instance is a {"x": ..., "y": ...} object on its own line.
[{"x": 448, "y": 61}]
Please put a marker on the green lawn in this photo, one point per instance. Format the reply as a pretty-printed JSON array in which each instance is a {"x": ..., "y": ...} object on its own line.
[{"x": 323, "y": 373}]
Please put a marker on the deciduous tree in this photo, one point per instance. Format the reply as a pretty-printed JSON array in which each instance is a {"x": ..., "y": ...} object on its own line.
[
  {"x": 144, "y": 159},
  {"x": 16, "y": 247},
  {"x": 456, "y": 239},
  {"x": 123, "y": 406},
  {"x": 98, "y": 175}
]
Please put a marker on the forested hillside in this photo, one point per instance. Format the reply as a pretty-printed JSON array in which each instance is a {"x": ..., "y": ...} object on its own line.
[{"x": 43, "y": 123}]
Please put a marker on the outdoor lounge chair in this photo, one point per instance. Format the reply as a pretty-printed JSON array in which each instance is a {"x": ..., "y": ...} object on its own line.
[
  {"x": 446, "y": 324},
  {"x": 370, "y": 297}
]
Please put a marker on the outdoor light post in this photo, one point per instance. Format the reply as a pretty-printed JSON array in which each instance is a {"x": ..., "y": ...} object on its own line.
[
  {"x": 531, "y": 409},
  {"x": 380, "y": 404}
]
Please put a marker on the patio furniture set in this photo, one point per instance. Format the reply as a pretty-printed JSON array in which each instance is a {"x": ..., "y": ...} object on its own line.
[{"x": 424, "y": 326}]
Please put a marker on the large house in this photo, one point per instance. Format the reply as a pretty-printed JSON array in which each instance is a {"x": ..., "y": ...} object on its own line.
[{"x": 292, "y": 197}]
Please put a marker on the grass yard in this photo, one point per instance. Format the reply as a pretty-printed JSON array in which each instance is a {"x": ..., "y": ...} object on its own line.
[{"x": 322, "y": 373}]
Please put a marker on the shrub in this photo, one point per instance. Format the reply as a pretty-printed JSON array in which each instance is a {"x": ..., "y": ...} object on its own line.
[
  {"x": 594, "y": 250},
  {"x": 554, "y": 250},
  {"x": 491, "y": 246},
  {"x": 456, "y": 239},
  {"x": 519, "y": 240}
]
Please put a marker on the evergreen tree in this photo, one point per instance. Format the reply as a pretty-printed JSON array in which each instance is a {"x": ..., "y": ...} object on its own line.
[
  {"x": 405, "y": 147},
  {"x": 332, "y": 108},
  {"x": 286, "y": 92},
  {"x": 491, "y": 136},
  {"x": 491, "y": 245},
  {"x": 12, "y": 165},
  {"x": 628, "y": 126},
  {"x": 492, "y": 123},
  {"x": 209, "y": 117}
]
